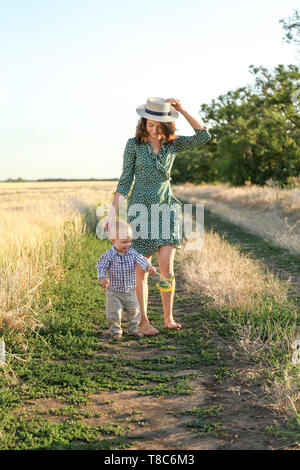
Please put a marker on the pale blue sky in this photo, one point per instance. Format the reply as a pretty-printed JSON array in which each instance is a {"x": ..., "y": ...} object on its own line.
[{"x": 72, "y": 72}]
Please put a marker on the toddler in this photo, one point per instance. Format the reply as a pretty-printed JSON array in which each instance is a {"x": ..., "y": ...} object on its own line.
[{"x": 117, "y": 274}]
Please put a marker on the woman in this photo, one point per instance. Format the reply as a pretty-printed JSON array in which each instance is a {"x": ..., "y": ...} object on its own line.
[{"x": 149, "y": 156}]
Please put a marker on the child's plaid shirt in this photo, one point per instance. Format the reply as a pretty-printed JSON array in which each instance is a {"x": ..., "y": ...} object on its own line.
[{"x": 121, "y": 268}]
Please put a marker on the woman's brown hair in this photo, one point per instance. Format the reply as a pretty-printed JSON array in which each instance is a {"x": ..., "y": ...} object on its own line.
[{"x": 168, "y": 131}]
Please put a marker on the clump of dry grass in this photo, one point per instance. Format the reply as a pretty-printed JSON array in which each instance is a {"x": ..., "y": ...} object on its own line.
[
  {"x": 286, "y": 393},
  {"x": 227, "y": 276},
  {"x": 28, "y": 255},
  {"x": 271, "y": 213},
  {"x": 37, "y": 221}
]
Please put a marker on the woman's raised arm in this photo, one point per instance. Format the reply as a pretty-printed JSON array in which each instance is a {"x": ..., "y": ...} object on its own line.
[{"x": 201, "y": 135}]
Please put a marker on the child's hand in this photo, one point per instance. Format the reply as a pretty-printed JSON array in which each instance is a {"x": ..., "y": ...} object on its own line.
[
  {"x": 104, "y": 281},
  {"x": 151, "y": 269}
]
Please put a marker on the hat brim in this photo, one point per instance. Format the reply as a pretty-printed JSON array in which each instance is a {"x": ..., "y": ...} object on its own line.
[{"x": 141, "y": 112}]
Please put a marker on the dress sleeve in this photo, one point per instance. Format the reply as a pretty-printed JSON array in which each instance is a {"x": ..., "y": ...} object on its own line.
[
  {"x": 128, "y": 170},
  {"x": 192, "y": 141}
]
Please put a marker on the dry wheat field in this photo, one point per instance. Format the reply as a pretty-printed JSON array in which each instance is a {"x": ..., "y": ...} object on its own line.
[
  {"x": 33, "y": 233},
  {"x": 269, "y": 212}
]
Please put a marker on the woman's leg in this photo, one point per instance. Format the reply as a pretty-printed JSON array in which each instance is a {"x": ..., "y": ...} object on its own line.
[
  {"x": 142, "y": 295},
  {"x": 166, "y": 256}
]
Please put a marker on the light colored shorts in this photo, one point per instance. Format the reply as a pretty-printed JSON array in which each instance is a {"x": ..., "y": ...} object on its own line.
[{"x": 116, "y": 302}]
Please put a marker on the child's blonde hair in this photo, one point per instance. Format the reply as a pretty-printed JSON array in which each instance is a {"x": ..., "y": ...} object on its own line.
[{"x": 120, "y": 230}]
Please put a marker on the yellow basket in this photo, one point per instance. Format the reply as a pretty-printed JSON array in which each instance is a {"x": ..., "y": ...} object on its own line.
[{"x": 165, "y": 289}]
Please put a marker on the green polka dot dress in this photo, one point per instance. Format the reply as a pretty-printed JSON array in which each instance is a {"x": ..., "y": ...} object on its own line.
[{"x": 152, "y": 190}]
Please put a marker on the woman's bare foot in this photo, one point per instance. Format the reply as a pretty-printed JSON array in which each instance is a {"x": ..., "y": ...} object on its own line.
[
  {"x": 147, "y": 329},
  {"x": 172, "y": 325},
  {"x": 139, "y": 334}
]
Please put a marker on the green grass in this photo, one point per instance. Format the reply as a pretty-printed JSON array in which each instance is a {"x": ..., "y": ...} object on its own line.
[
  {"x": 40, "y": 433},
  {"x": 206, "y": 420},
  {"x": 68, "y": 359}
]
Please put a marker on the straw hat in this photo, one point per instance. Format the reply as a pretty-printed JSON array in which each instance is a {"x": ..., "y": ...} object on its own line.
[{"x": 157, "y": 109}]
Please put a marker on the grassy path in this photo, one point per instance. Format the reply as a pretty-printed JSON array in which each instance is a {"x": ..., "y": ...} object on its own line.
[
  {"x": 278, "y": 260},
  {"x": 179, "y": 390}
]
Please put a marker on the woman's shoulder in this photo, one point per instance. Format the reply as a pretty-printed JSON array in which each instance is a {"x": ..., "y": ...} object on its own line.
[{"x": 131, "y": 141}]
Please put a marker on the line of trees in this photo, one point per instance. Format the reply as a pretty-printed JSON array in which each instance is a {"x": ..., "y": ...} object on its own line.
[
  {"x": 21, "y": 180},
  {"x": 254, "y": 129}
]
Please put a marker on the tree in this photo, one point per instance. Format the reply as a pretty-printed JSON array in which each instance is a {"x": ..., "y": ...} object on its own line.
[{"x": 291, "y": 27}]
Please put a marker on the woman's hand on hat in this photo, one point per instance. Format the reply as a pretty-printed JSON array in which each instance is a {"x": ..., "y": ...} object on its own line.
[{"x": 175, "y": 104}]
